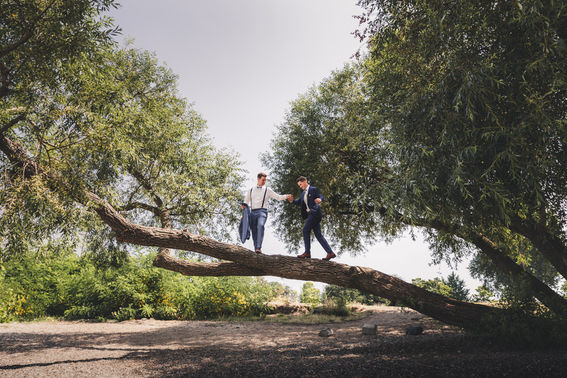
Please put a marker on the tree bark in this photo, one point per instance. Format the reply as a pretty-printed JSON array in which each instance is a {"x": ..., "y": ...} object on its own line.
[
  {"x": 549, "y": 245},
  {"x": 540, "y": 290},
  {"x": 505, "y": 264}
]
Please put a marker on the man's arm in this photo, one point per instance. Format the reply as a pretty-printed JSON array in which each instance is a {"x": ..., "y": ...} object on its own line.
[
  {"x": 318, "y": 196},
  {"x": 276, "y": 196}
]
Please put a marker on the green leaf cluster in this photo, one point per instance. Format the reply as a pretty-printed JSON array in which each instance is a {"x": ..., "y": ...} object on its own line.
[
  {"x": 106, "y": 119},
  {"x": 74, "y": 288},
  {"x": 310, "y": 294},
  {"x": 455, "y": 124}
]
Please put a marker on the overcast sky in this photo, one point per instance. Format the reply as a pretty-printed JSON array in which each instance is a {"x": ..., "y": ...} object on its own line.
[{"x": 240, "y": 62}]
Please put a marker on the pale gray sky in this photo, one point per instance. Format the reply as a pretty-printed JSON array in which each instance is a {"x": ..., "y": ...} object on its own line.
[{"x": 240, "y": 62}]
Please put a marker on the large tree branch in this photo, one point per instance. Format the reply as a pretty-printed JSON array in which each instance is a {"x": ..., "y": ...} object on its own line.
[
  {"x": 445, "y": 309},
  {"x": 549, "y": 245},
  {"x": 505, "y": 264},
  {"x": 189, "y": 268},
  {"x": 541, "y": 291},
  {"x": 12, "y": 123},
  {"x": 5, "y": 87}
]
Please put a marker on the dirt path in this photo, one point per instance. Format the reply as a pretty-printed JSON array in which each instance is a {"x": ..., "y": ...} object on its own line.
[{"x": 208, "y": 348}]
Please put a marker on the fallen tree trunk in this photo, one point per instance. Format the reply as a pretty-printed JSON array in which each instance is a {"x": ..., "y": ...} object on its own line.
[
  {"x": 246, "y": 262},
  {"x": 448, "y": 310}
]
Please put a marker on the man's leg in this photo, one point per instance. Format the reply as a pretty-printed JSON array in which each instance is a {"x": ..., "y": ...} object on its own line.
[
  {"x": 310, "y": 222},
  {"x": 262, "y": 217},
  {"x": 321, "y": 238},
  {"x": 254, "y": 226}
]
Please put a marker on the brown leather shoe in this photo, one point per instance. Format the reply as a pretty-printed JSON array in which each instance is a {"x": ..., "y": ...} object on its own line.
[
  {"x": 329, "y": 256},
  {"x": 258, "y": 250},
  {"x": 304, "y": 255}
]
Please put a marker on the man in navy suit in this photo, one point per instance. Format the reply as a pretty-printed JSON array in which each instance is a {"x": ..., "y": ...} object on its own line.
[{"x": 309, "y": 201}]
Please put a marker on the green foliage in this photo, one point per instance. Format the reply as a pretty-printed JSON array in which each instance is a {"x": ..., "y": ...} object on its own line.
[
  {"x": 513, "y": 328},
  {"x": 457, "y": 285},
  {"x": 283, "y": 292},
  {"x": 310, "y": 294},
  {"x": 108, "y": 119},
  {"x": 483, "y": 294},
  {"x": 330, "y": 136},
  {"x": 73, "y": 288},
  {"x": 221, "y": 297},
  {"x": 453, "y": 122},
  {"x": 336, "y": 307},
  {"x": 340, "y": 294},
  {"x": 436, "y": 285}
]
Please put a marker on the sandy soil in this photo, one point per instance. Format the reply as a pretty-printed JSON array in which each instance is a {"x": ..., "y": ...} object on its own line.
[{"x": 210, "y": 348}]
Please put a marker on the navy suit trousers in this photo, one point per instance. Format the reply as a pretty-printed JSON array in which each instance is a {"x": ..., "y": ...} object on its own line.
[{"x": 313, "y": 222}]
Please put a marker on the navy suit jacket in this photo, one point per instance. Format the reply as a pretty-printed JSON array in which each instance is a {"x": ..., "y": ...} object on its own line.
[{"x": 313, "y": 207}]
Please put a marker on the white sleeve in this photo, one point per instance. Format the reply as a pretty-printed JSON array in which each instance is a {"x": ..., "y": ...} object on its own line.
[
  {"x": 276, "y": 196},
  {"x": 247, "y": 198}
]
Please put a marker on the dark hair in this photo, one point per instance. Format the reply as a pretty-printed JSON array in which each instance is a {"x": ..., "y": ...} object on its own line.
[
  {"x": 301, "y": 178},
  {"x": 262, "y": 174}
]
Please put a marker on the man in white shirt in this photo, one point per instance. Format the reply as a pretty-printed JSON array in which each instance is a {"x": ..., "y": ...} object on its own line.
[{"x": 257, "y": 198}]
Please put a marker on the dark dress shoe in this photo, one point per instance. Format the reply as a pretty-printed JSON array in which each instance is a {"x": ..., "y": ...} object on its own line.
[
  {"x": 329, "y": 256},
  {"x": 304, "y": 255}
]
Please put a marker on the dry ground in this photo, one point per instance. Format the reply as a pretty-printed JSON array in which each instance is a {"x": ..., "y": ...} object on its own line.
[{"x": 218, "y": 348}]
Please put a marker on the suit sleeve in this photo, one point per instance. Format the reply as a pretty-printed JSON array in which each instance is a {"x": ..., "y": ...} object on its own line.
[{"x": 318, "y": 194}]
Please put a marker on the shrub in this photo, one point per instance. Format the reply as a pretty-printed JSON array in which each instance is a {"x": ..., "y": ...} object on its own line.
[
  {"x": 339, "y": 293},
  {"x": 310, "y": 294},
  {"x": 72, "y": 287},
  {"x": 125, "y": 313}
]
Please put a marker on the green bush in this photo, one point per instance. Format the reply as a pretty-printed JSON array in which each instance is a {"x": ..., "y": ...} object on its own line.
[
  {"x": 230, "y": 296},
  {"x": 339, "y": 293},
  {"x": 80, "y": 312},
  {"x": 337, "y": 307},
  {"x": 125, "y": 313},
  {"x": 72, "y": 287},
  {"x": 310, "y": 294}
]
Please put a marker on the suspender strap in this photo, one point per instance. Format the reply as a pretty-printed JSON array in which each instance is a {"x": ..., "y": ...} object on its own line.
[{"x": 264, "y": 199}]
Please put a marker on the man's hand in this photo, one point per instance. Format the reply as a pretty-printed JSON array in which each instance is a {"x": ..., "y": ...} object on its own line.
[
  {"x": 317, "y": 200},
  {"x": 290, "y": 198}
]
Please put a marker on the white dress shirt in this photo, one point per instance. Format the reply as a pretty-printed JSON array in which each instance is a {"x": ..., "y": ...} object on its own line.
[{"x": 258, "y": 196}]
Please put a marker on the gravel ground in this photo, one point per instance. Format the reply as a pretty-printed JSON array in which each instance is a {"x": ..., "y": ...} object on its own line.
[{"x": 155, "y": 348}]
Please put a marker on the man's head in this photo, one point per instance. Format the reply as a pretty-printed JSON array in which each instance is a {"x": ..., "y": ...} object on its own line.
[
  {"x": 302, "y": 182},
  {"x": 262, "y": 178}
]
